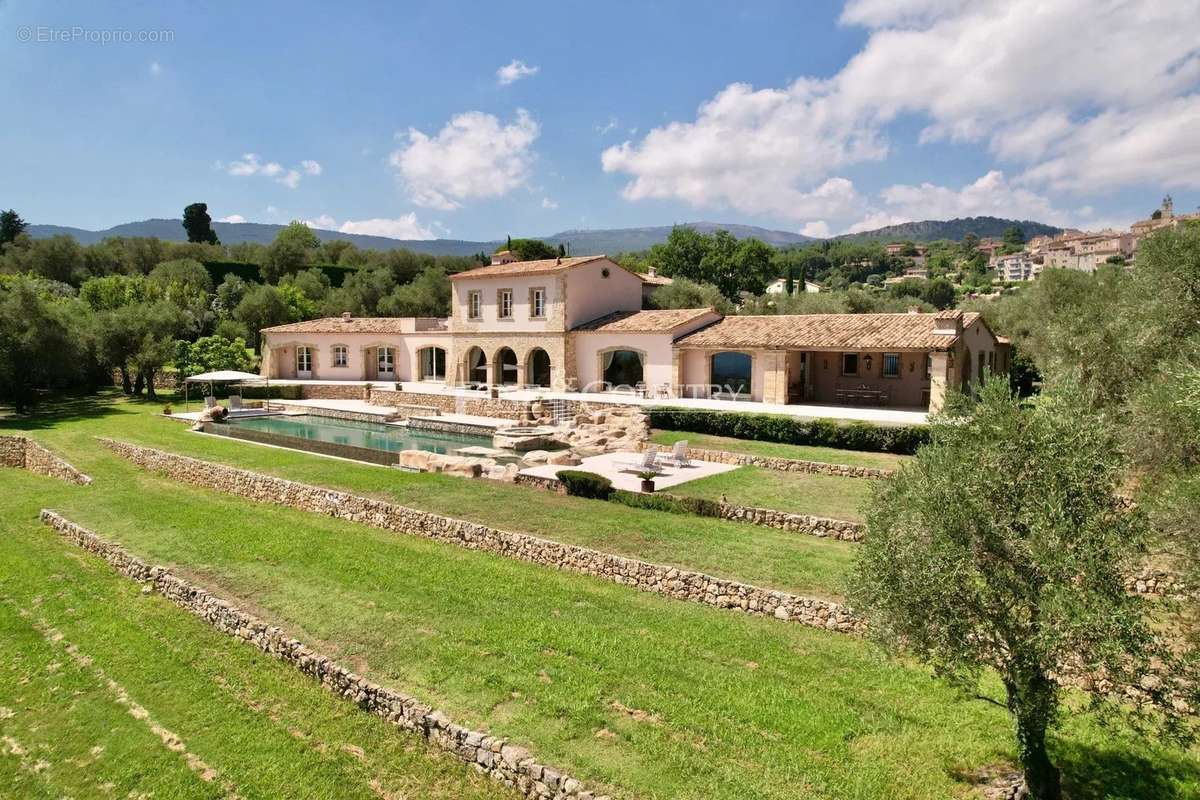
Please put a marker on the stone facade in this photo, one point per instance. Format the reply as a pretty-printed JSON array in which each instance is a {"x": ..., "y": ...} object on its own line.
[
  {"x": 821, "y": 527},
  {"x": 680, "y": 584},
  {"x": 333, "y": 413},
  {"x": 481, "y": 406},
  {"x": 784, "y": 464},
  {"x": 507, "y": 763},
  {"x": 335, "y": 391},
  {"x": 24, "y": 453},
  {"x": 1156, "y": 582}
]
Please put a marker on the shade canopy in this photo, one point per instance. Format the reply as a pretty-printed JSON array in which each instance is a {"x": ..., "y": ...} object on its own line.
[{"x": 225, "y": 376}]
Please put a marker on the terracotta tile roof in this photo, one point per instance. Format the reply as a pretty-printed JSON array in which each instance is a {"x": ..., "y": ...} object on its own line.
[
  {"x": 662, "y": 321},
  {"x": 656, "y": 280},
  {"x": 826, "y": 331},
  {"x": 543, "y": 266},
  {"x": 353, "y": 325}
]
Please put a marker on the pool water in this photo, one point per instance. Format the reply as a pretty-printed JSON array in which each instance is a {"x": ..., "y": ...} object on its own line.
[{"x": 372, "y": 435}]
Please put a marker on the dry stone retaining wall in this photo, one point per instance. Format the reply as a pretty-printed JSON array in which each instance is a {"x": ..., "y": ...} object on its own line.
[
  {"x": 24, "y": 453},
  {"x": 821, "y": 527},
  {"x": 784, "y": 464},
  {"x": 335, "y": 391},
  {"x": 507, "y": 763},
  {"x": 454, "y": 404},
  {"x": 680, "y": 584}
]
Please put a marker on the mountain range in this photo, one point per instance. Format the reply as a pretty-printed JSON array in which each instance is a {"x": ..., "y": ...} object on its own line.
[{"x": 579, "y": 242}]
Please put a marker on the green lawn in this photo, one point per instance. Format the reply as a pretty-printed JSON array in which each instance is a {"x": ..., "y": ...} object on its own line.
[
  {"x": 644, "y": 695},
  {"x": 828, "y": 455},
  {"x": 262, "y": 729},
  {"x": 761, "y": 556},
  {"x": 800, "y": 492}
]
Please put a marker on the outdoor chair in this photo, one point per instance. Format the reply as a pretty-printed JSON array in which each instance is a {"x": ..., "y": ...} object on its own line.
[
  {"x": 678, "y": 455},
  {"x": 210, "y": 401},
  {"x": 235, "y": 402},
  {"x": 646, "y": 463}
]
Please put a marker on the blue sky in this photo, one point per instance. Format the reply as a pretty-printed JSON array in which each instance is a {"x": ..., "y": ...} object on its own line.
[{"x": 397, "y": 119}]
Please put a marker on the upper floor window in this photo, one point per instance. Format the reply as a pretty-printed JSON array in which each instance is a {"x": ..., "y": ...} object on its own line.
[
  {"x": 537, "y": 303},
  {"x": 504, "y": 304},
  {"x": 341, "y": 355},
  {"x": 474, "y": 304},
  {"x": 891, "y": 365}
]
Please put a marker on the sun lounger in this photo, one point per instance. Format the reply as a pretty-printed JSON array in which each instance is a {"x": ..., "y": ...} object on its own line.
[
  {"x": 679, "y": 455},
  {"x": 646, "y": 463}
]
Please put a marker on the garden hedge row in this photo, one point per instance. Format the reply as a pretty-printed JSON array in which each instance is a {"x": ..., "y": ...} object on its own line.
[
  {"x": 668, "y": 503},
  {"x": 586, "y": 484},
  {"x": 902, "y": 439},
  {"x": 290, "y": 391}
]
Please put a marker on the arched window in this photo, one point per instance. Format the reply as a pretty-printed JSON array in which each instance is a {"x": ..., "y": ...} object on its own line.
[
  {"x": 732, "y": 372},
  {"x": 622, "y": 367},
  {"x": 431, "y": 364},
  {"x": 537, "y": 371},
  {"x": 476, "y": 366},
  {"x": 506, "y": 359}
]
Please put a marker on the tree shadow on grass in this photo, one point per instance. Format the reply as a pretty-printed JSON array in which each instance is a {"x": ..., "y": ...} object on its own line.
[
  {"x": 51, "y": 411},
  {"x": 1114, "y": 773}
]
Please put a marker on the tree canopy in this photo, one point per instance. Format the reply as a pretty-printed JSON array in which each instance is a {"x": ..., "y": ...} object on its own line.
[{"x": 198, "y": 224}]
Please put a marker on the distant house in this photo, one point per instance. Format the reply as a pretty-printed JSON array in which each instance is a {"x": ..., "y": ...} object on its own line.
[
  {"x": 1015, "y": 268},
  {"x": 779, "y": 286},
  {"x": 576, "y": 326},
  {"x": 651, "y": 281}
]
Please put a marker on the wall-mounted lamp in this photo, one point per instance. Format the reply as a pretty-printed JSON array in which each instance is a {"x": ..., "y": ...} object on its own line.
[{"x": 867, "y": 361}]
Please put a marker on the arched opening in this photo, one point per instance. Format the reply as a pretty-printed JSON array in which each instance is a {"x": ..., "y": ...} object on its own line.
[
  {"x": 732, "y": 372},
  {"x": 622, "y": 368},
  {"x": 477, "y": 367},
  {"x": 431, "y": 364},
  {"x": 506, "y": 360},
  {"x": 537, "y": 371}
]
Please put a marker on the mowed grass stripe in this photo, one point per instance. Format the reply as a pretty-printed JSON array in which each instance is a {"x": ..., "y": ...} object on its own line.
[{"x": 267, "y": 730}]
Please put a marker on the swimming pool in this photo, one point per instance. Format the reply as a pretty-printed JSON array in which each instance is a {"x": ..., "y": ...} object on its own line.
[{"x": 352, "y": 433}]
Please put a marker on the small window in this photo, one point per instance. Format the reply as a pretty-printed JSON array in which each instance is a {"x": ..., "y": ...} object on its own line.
[
  {"x": 474, "y": 305},
  {"x": 849, "y": 363},
  {"x": 341, "y": 355},
  {"x": 891, "y": 365},
  {"x": 537, "y": 303},
  {"x": 504, "y": 303},
  {"x": 928, "y": 366}
]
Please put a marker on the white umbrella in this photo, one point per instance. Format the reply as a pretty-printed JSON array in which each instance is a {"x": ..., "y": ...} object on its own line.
[{"x": 225, "y": 376}]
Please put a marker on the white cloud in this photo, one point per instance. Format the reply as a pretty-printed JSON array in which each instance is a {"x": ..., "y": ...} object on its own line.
[
  {"x": 549, "y": 204},
  {"x": 474, "y": 156},
  {"x": 818, "y": 229},
  {"x": 990, "y": 195},
  {"x": 1060, "y": 109},
  {"x": 404, "y": 226},
  {"x": 323, "y": 221},
  {"x": 607, "y": 127},
  {"x": 251, "y": 164},
  {"x": 232, "y": 218},
  {"x": 513, "y": 71}
]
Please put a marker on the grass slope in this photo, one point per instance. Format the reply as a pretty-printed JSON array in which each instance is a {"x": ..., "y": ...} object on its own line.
[
  {"x": 755, "y": 555},
  {"x": 799, "y": 492},
  {"x": 651, "y": 697},
  {"x": 828, "y": 455},
  {"x": 262, "y": 729}
]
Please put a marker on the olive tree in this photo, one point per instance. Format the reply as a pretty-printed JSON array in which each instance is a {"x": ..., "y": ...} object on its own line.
[{"x": 1003, "y": 546}]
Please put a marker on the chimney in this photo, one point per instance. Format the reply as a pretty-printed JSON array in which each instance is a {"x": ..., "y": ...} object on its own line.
[
  {"x": 345, "y": 316},
  {"x": 948, "y": 322},
  {"x": 652, "y": 272}
]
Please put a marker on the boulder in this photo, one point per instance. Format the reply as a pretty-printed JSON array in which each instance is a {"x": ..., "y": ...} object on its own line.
[
  {"x": 563, "y": 458},
  {"x": 415, "y": 459},
  {"x": 535, "y": 457}
]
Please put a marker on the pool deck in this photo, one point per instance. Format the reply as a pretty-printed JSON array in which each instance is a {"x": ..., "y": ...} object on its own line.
[{"x": 621, "y": 470}]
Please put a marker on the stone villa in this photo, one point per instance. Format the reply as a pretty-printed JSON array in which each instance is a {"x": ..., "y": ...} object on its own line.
[{"x": 577, "y": 325}]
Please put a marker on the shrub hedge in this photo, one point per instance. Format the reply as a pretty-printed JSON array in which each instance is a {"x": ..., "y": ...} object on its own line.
[
  {"x": 586, "y": 484},
  {"x": 665, "y": 502},
  {"x": 290, "y": 391},
  {"x": 902, "y": 439}
]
